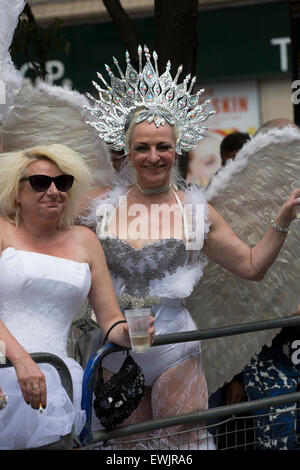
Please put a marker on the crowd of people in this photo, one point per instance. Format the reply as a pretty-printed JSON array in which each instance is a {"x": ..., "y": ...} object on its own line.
[{"x": 63, "y": 240}]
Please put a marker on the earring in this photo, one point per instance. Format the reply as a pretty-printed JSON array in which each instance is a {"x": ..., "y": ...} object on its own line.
[{"x": 130, "y": 163}]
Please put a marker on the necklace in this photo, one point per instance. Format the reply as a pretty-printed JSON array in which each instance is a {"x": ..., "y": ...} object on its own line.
[{"x": 158, "y": 190}]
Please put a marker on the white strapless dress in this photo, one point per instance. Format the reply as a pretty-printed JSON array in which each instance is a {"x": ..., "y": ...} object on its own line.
[{"x": 39, "y": 296}]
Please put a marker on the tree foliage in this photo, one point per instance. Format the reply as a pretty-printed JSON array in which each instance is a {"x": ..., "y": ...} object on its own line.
[
  {"x": 175, "y": 31},
  {"x": 34, "y": 42}
]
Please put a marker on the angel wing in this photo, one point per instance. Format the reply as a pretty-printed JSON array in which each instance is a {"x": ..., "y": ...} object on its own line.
[
  {"x": 10, "y": 78},
  {"x": 47, "y": 114},
  {"x": 248, "y": 193}
]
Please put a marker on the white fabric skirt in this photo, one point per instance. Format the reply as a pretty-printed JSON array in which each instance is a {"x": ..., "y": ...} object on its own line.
[{"x": 22, "y": 427}]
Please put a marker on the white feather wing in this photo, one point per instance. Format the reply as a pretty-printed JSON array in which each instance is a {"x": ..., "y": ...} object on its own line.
[
  {"x": 248, "y": 193},
  {"x": 47, "y": 114},
  {"x": 10, "y": 78},
  {"x": 9, "y": 13}
]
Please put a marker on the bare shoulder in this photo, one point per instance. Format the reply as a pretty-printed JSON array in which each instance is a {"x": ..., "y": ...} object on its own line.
[
  {"x": 213, "y": 213},
  {"x": 90, "y": 246},
  {"x": 211, "y": 209},
  {"x": 215, "y": 218},
  {"x": 85, "y": 234},
  {"x": 219, "y": 226}
]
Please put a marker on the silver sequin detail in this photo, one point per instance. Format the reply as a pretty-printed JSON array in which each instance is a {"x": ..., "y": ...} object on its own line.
[{"x": 138, "y": 267}]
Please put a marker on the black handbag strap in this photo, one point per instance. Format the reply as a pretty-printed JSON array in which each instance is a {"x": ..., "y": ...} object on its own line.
[
  {"x": 109, "y": 330},
  {"x": 103, "y": 343}
]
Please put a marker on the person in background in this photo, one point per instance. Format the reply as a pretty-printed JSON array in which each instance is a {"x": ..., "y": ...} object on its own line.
[
  {"x": 231, "y": 144},
  {"x": 203, "y": 161},
  {"x": 272, "y": 372},
  {"x": 277, "y": 123}
]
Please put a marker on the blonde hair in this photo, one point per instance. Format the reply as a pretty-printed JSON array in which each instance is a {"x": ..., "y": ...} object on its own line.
[
  {"x": 13, "y": 167},
  {"x": 132, "y": 124}
]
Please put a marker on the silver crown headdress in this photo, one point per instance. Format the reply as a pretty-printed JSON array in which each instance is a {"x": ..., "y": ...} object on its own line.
[{"x": 160, "y": 99}]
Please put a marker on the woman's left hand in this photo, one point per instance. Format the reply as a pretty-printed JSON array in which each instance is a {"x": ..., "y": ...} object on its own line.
[
  {"x": 288, "y": 211},
  {"x": 151, "y": 331}
]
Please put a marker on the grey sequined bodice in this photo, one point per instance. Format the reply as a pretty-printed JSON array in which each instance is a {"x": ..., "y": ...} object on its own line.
[
  {"x": 167, "y": 268},
  {"x": 139, "y": 267}
]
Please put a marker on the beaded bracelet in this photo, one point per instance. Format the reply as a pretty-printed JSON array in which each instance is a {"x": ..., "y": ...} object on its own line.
[{"x": 279, "y": 228}]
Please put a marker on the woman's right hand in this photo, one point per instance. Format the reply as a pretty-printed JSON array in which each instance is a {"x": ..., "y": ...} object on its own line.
[{"x": 32, "y": 382}]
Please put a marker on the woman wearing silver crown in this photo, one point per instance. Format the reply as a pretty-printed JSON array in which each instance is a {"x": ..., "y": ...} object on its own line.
[{"x": 157, "y": 238}]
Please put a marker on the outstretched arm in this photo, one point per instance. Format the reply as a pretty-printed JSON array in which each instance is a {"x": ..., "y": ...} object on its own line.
[{"x": 226, "y": 249}]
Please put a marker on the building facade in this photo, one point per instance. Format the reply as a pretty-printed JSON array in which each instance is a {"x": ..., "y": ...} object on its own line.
[
  {"x": 243, "y": 58},
  {"x": 242, "y": 45}
]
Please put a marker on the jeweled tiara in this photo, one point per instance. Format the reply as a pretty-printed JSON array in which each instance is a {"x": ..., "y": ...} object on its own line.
[{"x": 159, "y": 97}]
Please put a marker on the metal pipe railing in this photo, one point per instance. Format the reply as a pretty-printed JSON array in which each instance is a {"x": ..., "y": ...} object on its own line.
[
  {"x": 58, "y": 363},
  {"x": 195, "y": 417},
  {"x": 226, "y": 330},
  {"x": 87, "y": 437}
]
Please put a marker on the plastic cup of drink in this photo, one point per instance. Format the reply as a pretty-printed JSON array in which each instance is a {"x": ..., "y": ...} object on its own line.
[
  {"x": 138, "y": 325},
  {"x": 296, "y": 185}
]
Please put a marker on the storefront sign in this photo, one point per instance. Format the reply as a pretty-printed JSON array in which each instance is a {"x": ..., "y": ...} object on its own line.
[{"x": 237, "y": 109}]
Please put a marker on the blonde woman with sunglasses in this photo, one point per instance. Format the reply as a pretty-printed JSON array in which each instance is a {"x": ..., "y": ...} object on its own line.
[{"x": 48, "y": 267}]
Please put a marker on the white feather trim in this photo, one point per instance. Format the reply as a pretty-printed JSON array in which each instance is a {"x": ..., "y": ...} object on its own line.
[{"x": 180, "y": 284}]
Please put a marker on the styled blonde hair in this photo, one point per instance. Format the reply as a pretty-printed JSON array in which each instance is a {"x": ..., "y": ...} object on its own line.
[{"x": 13, "y": 166}]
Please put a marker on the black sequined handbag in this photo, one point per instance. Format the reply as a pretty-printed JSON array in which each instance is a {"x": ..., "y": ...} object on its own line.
[{"x": 117, "y": 398}]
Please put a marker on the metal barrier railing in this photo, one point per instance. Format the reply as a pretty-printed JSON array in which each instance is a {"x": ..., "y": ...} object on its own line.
[
  {"x": 65, "y": 442},
  {"x": 195, "y": 417},
  {"x": 88, "y": 437},
  {"x": 226, "y": 330},
  {"x": 55, "y": 361}
]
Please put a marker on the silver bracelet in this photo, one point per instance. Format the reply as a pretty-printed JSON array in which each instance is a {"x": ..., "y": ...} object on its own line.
[{"x": 279, "y": 228}]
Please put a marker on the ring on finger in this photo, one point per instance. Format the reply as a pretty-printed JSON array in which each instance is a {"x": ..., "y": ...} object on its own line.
[{"x": 35, "y": 387}]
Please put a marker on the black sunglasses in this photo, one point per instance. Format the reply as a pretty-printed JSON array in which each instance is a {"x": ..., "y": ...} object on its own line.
[{"x": 41, "y": 183}]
